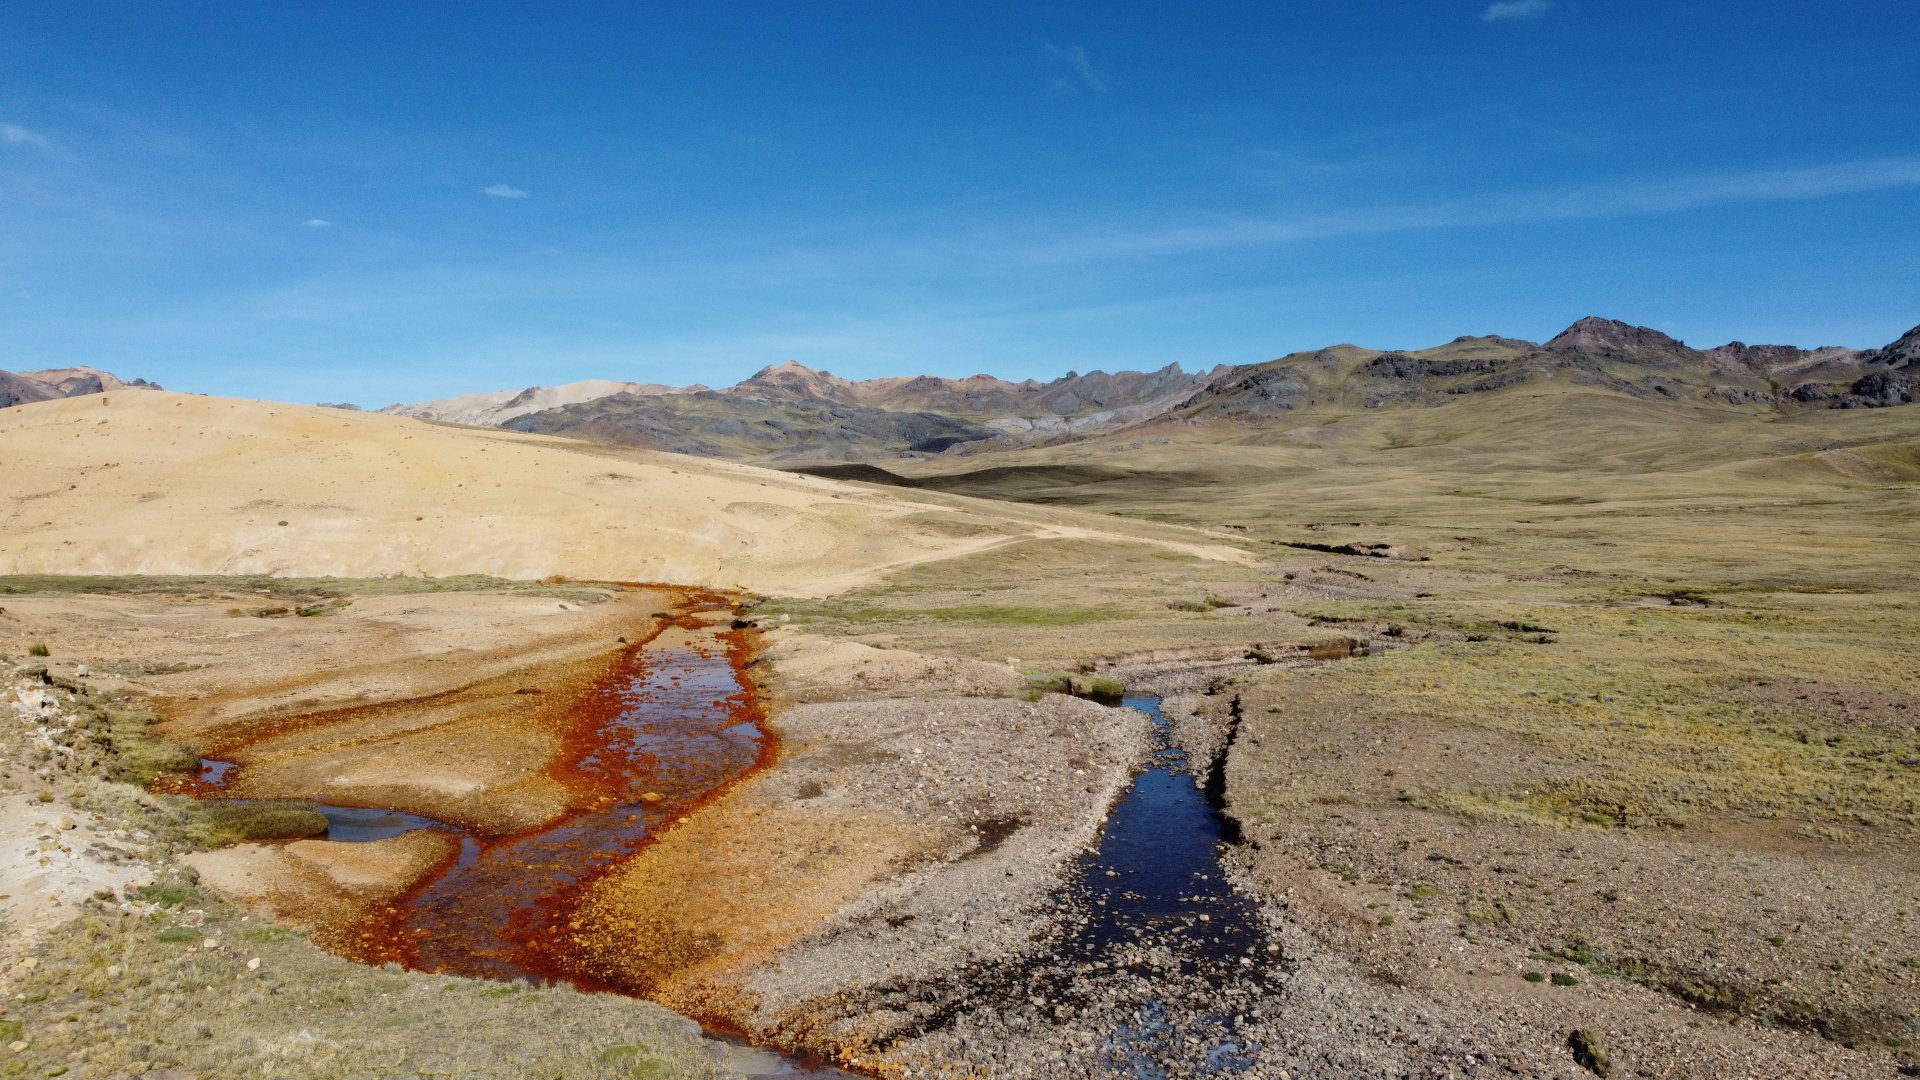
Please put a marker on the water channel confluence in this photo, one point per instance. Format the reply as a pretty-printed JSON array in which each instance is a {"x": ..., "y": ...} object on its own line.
[{"x": 678, "y": 724}]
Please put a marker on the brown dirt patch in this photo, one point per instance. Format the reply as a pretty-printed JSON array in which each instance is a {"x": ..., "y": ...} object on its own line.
[
  {"x": 321, "y": 885},
  {"x": 684, "y": 920},
  {"x": 1864, "y": 706}
]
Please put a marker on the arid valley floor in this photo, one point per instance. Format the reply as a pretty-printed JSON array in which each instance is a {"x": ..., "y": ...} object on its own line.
[{"x": 1558, "y": 732}]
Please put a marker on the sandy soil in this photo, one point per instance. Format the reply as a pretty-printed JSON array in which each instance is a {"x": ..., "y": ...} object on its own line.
[
  {"x": 320, "y": 885},
  {"x": 159, "y": 483},
  {"x": 446, "y": 704},
  {"x": 45, "y": 871}
]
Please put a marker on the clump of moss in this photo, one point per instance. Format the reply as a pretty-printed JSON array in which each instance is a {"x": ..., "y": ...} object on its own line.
[
  {"x": 635, "y": 1063},
  {"x": 174, "y": 887},
  {"x": 130, "y": 751},
  {"x": 222, "y": 823},
  {"x": 1589, "y": 1052},
  {"x": 1049, "y": 682},
  {"x": 1097, "y": 689}
]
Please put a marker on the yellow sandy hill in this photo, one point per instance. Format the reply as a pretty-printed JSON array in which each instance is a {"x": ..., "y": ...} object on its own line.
[{"x": 160, "y": 483}]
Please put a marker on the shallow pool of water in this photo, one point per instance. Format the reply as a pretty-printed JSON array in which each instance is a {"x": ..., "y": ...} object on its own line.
[{"x": 1156, "y": 876}]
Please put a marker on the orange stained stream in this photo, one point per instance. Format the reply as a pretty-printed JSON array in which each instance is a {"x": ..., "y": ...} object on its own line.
[
  {"x": 664, "y": 731},
  {"x": 667, "y": 730}
]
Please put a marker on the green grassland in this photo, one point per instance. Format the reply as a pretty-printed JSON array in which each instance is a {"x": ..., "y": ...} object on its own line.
[
  {"x": 199, "y": 987},
  {"x": 1670, "y": 642},
  {"x": 1678, "y": 554}
]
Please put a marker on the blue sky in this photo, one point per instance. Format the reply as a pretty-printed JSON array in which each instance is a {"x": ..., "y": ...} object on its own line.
[{"x": 394, "y": 201}]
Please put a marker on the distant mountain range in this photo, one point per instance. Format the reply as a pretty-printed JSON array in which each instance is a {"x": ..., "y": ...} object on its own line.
[
  {"x": 1631, "y": 360},
  {"x": 788, "y": 412}
]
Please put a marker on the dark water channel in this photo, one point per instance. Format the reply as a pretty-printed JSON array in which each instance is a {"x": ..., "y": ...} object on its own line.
[
  {"x": 1166, "y": 960},
  {"x": 1156, "y": 877}
]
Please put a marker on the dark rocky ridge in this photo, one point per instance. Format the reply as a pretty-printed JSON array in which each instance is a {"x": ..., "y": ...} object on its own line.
[
  {"x": 20, "y": 390},
  {"x": 1633, "y": 360},
  {"x": 715, "y": 424},
  {"x": 1610, "y": 337},
  {"x": 979, "y": 396}
]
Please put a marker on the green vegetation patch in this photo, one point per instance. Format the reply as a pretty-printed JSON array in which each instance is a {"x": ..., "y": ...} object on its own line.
[
  {"x": 1639, "y": 698},
  {"x": 220, "y": 823},
  {"x": 116, "y": 994}
]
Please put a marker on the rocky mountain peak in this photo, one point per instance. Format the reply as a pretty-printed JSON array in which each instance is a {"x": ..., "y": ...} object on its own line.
[
  {"x": 791, "y": 379},
  {"x": 784, "y": 367},
  {"x": 1599, "y": 336},
  {"x": 1903, "y": 353}
]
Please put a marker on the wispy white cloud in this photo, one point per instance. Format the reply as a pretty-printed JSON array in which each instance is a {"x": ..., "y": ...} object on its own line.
[
  {"x": 1572, "y": 203},
  {"x": 1515, "y": 10},
  {"x": 1074, "y": 57},
  {"x": 15, "y": 135},
  {"x": 317, "y": 223},
  {"x": 504, "y": 191}
]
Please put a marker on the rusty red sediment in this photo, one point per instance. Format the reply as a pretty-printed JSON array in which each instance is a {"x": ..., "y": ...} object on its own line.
[
  {"x": 387, "y": 935},
  {"x": 536, "y": 930},
  {"x": 241, "y": 734},
  {"x": 541, "y": 928}
]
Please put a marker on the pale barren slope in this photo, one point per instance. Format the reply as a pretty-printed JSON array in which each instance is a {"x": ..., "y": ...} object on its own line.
[
  {"x": 498, "y": 406},
  {"x": 159, "y": 483}
]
